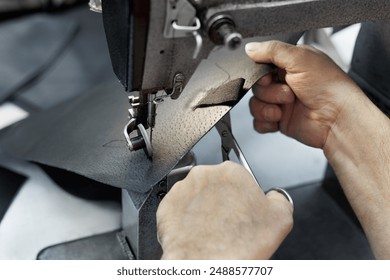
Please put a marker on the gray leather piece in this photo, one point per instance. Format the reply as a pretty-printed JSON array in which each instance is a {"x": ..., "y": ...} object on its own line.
[
  {"x": 227, "y": 94},
  {"x": 12, "y": 6},
  {"x": 84, "y": 136},
  {"x": 84, "y": 63},
  {"x": 28, "y": 47}
]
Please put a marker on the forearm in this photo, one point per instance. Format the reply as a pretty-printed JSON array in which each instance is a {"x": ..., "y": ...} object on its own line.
[{"x": 358, "y": 148}]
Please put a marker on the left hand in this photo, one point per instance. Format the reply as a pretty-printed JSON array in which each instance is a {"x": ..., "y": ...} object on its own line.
[{"x": 219, "y": 212}]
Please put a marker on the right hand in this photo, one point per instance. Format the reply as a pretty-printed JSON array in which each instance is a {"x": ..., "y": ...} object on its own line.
[{"x": 305, "y": 96}]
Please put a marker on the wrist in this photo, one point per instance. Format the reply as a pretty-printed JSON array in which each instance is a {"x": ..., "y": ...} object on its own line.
[
  {"x": 358, "y": 133},
  {"x": 218, "y": 251},
  {"x": 358, "y": 150}
]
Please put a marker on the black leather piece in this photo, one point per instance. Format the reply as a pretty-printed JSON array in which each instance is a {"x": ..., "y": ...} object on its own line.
[
  {"x": 370, "y": 66},
  {"x": 10, "y": 184},
  {"x": 322, "y": 230},
  {"x": 28, "y": 47},
  {"x": 81, "y": 186},
  {"x": 84, "y": 136},
  {"x": 104, "y": 246}
]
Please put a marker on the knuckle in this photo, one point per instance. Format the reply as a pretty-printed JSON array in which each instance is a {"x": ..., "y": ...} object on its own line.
[
  {"x": 285, "y": 94},
  {"x": 257, "y": 126},
  {"x": 263, "y": 127},
  {"x": 228, "y": 166},
  {"x": 274, "y": 46},
  {"x": 268, "y": 113},
  {"x": 196, "y": 171}
]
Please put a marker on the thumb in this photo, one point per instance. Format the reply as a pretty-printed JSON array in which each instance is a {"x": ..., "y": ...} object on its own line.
[{"x": 275, "y": 52}]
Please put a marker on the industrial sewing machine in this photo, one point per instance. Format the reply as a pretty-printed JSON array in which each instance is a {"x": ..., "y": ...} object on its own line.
[
  {"x": 183, "y": 66},
  {"x": 159, "y": 51}
]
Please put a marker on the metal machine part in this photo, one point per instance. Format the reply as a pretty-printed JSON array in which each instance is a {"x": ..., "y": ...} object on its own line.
[
  {"x": 137, "y": 44},
  {"x": 140, "y": 44},
  {"x": 180, "y": 19},
  {"x": 143, "y": 140},
  {"x": 181, "y": 22},
  {"x": 222, "y": 31}
]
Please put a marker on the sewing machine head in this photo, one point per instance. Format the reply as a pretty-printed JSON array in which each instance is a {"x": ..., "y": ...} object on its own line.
[
  {"x": 173, "y": 35},
  {"x": 156, "y": 45}
]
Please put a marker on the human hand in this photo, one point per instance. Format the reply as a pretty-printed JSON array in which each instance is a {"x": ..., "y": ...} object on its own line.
[
  {"x": 219, "y": 212},
  {"x": 304, "y": 97}
]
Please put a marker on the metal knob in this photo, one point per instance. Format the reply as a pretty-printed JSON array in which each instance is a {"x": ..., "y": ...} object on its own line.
[{"x": 222, "y": 31}]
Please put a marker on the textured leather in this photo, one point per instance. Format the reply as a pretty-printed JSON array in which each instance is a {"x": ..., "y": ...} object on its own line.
[{"x": 84, "y": 136}]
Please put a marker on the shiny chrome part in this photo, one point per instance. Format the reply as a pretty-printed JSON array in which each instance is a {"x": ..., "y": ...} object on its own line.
[
  {"x": 181, "y": 22},
  {"x": 95, "y": 6},
  {"x": 194, "y": 30},
  {"x": 199, "y": 44},
  {"x": 230, "y": 144},
  {"x": 152, "y": 107},
  {"x": 284, "y": 193},
  {"x": 177, "y": 86},
  {"x": 151, "y": 119},
  {"x": 233, "y": 40},
  {"x": 129, "y": 127},
  {"x": 222, "y": 31},
  {"x": 189, "y": 29},
  {"x": 147, "y": 140},
  {"x": 134, "y": 104},
  {"x": 142, "y": 140},
  {"x": 134, "y": 101},
  {"x": 180, "y": 14}
]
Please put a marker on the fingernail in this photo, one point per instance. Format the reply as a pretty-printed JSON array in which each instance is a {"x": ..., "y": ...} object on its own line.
[
  {"x": 251, "y": 47},
  {"x": 268, "y": 125},
  {"x": 269, "y": 113}
]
